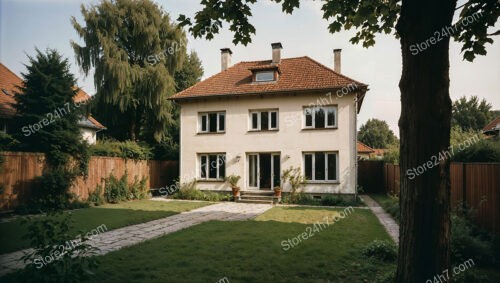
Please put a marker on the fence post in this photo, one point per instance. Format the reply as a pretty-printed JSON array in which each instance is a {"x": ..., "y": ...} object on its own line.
[{"x": 464, "y": 186}]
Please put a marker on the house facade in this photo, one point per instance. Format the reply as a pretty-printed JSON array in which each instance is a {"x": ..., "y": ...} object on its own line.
[
  {"x": 8, "y": 87},
  {"x": 256, "y": 119}
]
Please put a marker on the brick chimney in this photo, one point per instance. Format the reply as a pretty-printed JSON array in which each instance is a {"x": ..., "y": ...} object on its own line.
[
  {"x": 336, "y": 60},
  {"x": 225, "y": 58},
  {"x": 276, "y": 52}
]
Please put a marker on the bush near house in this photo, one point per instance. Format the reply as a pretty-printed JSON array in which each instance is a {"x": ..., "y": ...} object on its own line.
[
  {"x": 188, "y": 191},
  {"x": 327, "y": 200}
]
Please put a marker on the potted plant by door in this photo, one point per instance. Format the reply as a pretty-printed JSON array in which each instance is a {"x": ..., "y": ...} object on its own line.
[
  {"x": 277, "y": 191},
  {"x": 233, "y": 182}
]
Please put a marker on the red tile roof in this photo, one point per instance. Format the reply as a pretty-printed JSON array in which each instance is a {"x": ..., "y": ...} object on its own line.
[
  {"x": 492, "y": 125},
  {"x": 297, "y": 74},
  {"x": 10, "y": 82},
  {"x": 363, "y": 148}
]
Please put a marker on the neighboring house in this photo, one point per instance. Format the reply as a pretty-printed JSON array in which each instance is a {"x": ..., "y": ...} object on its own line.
[
  {"x": 378, "y": 153},
  {"x": 364, "y": 151},
  {"x": 256, "y": 119},
  {"x": 8, "y": 82},
  {"x": 493, "y": 128}
]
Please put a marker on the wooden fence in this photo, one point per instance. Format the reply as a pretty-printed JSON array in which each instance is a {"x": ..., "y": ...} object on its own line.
[
  {"x": 475, "y": 185},
  {"x": 19, "y": 170}
]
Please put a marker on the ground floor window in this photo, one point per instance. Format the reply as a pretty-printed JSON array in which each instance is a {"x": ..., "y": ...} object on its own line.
[
  {"x": 321, "y": 166},
  {"x": 212, "y": 166}
]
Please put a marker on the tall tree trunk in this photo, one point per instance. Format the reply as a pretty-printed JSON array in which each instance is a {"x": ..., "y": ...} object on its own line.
[{"x": 425, "y": 132}]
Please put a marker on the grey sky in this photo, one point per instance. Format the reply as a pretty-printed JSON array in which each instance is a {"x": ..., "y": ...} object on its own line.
[{"x": 26, "y": 24}]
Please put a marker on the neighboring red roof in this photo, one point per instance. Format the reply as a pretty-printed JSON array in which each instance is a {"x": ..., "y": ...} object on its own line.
[
  {"x": 297, "y": 74},
  {"x": 363, "y": 148},
  {"x": 378, "y": 151},
  {"x": 492, "y": 125},
  {"x": 94, "y": 121},
  {"x": 10, "y": 81}
]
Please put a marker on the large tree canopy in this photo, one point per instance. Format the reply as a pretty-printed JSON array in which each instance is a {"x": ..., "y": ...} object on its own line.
[
  {"x": 471, "y": 113},
  {"x": 376, "y": 134},
  {"x": 135, "y": 51},
  {"x": 424, "y": 28},
  {"x": 48, "y": 118}
]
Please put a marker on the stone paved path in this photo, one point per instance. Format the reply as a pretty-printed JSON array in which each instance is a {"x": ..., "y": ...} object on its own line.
[
  {"x": 131, "y": 235},
  {"x": 385, "y": 219}
]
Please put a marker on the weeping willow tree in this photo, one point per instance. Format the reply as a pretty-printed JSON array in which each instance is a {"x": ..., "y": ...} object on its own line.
[{"x": 134, "y": 49}]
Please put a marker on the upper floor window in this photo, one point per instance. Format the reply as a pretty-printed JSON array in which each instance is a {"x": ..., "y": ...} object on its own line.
[
  {"x": 320, "y": 117},
  {"x": 212, "y": 122},
  {"x": 263, "y": 120},
  {"x": 265, "y": 76},
  {"x": 320, "y": 166}
]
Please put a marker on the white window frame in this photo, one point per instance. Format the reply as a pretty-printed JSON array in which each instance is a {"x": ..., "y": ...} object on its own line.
[
  {"x": 207, "y": 167},
  {"x": 326, "y": 153},
  {"x": 259, "y": 124},
  {"x": 206, "y": 114},
  {"x": 313, "y": 114},
  {"x": 263, "y": 73},
  {"x": 257, "y": 168}
]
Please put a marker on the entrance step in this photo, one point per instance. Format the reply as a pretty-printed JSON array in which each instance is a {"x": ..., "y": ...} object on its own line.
[{"x": 257, "y": 197}]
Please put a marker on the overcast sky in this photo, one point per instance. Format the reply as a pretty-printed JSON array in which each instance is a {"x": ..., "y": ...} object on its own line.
[{"x": 26, "y": 24}]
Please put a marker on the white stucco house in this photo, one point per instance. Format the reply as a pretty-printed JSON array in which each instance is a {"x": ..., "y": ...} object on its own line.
[{"x": 256, "y": 119}]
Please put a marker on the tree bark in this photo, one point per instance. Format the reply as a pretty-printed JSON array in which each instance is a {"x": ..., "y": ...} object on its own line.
[{"x": 424, "y": 133}]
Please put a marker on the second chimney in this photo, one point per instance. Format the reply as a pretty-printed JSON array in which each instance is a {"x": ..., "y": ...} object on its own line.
[
  {"x": 336, "y": 60},
  {"x": 225, "y": 58},
  {"x": 276, "y": 52}
]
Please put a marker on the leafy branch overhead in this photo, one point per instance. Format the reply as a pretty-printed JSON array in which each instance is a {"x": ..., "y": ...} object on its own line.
[{"x": 367, "y": 17}]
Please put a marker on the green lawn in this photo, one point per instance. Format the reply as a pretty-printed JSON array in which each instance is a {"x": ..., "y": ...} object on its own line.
[
  {"x": 112, "y": 215},
  {"x": 251, "y": 251}
]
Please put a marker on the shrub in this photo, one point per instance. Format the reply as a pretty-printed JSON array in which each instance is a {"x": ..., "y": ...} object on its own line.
[
  {"x": 468, "y": 241},
  {"x": 381, "y": 250},
  {"x": 53, "y": 191},
  {"x": 482, "y": 151},
  {"x": 126, "y": 149},
  {"x": 115, "y": 190},
  {"x": 138, "y": 188},
  {"x": 7, "y": 142},
  {"x": 64, "y": 259},
  {"x": 304, "y": 199},
  {"x": 188, "y": 191},
  {"x": 96, "y": 197}
]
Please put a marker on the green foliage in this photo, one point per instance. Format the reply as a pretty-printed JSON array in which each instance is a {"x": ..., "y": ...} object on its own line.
[
  {"x": 117, "y": 190},
  {"x": 458, "y": 135},
  {"x": 381, "y": 250},
  {"x": 294, "y": 177},
  {"x": 120, "y": 40},
  {"x": 376, "y": 134},
  {"x": 55, "y": 255},
  {"x": 188, "y": 191},
  {"x": 126, "y": 149},
  {"x": 190, "y": 73},
  {"x": 391, "y": 154},
  {"x": 53, "y": 191},
  {"x": 391, "y": 205},
  {"x": 232, "y": 180},
  {"x": 7, "y": 142},
  {"x": 96, "y": 197},
  {"x": 48, "y": 86},
  {"x": 482, "y": 151},
  {"x": 468, "y": 241},
  {"x": 471, "y": 114}
]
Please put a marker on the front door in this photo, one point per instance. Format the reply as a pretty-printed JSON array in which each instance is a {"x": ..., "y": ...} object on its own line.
[{"x": 263, "y": 170}]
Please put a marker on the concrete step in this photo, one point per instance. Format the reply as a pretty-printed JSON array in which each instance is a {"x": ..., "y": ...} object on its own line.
[
  {"x": 242, "y": 200},
  {"x": 257, "y": 197},
  {"x": 257, "y": 193}
]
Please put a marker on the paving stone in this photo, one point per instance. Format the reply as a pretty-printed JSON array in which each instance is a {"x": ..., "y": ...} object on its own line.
[{"x": 385, "y": 219}]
